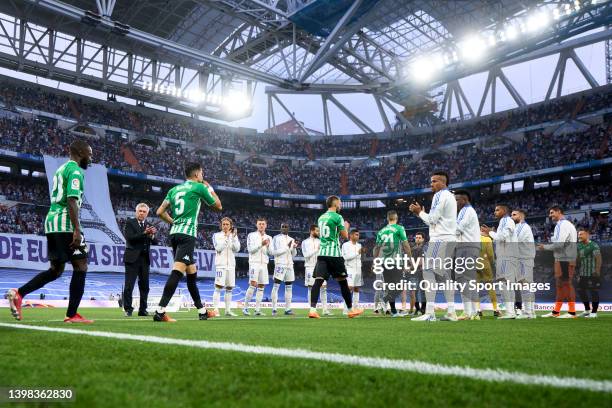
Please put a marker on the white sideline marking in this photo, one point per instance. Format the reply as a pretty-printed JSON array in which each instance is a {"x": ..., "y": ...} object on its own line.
[
  {"x": 421, "y": 367},
  {"x": 215, "y": 319}
]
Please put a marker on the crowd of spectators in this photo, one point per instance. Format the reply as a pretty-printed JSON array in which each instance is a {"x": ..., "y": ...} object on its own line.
[
  {"x": 492, "y": 155},
  {"x": 536, "y": 150},
  {"x": 20, "y": 220},
  {"x": 32, "y": 196},
  {"x": 209, "y": 134}
]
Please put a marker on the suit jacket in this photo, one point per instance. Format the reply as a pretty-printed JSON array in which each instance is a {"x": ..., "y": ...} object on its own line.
[{"x": 137, "y": 243}]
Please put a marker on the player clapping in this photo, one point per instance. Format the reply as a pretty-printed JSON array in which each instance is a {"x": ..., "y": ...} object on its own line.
[
  {"x": 284, "y": 248},
  {"x": 258, "y": 243},
  {"x": 310, "y": 251},
  {"x": 226, "y": 245},
  {"x": 506, "y": 253},
  {"x": 352, "y": 252}
]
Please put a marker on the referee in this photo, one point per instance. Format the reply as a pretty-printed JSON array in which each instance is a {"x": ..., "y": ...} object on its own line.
[
  {"x": 138, "y": 240},
  {"x": 588, "y": 265}
]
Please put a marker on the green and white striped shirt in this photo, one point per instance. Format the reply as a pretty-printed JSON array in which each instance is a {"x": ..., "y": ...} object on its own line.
[
  {"x": 68, "y": 181},
  {"x": 587, "y": 254},
  {"x": 330, "y": 225},
  {"x": 185, "y": 200}
]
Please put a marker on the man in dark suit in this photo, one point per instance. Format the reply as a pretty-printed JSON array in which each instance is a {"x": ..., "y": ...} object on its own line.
[{"x": 138, "y": 240}]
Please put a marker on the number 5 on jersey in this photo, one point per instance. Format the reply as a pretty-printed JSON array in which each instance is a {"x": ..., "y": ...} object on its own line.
[{"x": 179, "y": 202}]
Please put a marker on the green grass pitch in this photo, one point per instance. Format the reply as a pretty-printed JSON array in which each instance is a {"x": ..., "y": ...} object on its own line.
[{"x": 106, "y": 372}]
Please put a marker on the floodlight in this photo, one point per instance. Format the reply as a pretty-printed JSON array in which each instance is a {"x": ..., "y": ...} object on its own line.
[{"x": 472, "y": 48}]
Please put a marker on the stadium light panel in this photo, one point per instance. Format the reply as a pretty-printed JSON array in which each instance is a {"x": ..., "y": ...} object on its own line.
[
  {"x": 196, "y": 96},
  {"x": 511, "y": 33},
  {"x": 421, "y": 69},
  {"x": 492, "y": 40},
  {"x": 236, "y": 103},
  {"x": 438, "y": 61},
  {"x": 425, "y": 67},
  {"x": 472, "y": 48},
  {"x": 537, "y": 21}
]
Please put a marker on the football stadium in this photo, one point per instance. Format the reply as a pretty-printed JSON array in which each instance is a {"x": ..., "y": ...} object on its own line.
[{"x": 309, "y": 203}]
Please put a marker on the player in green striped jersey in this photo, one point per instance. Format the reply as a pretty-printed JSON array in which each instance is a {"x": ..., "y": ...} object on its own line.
[
  {"x": 184, "y": 202},
  {"x": 330, "y": 261},
  {"x": 390, "y": 241},
  {"x": 65, "y": 241},
  {"x": 588, "y": 266}
]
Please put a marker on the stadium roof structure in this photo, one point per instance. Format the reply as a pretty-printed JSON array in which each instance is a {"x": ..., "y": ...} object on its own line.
[{"x": 204, "y": 56}]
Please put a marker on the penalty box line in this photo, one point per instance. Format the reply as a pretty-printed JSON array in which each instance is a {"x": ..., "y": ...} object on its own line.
[{"x": 421, "y": 367}]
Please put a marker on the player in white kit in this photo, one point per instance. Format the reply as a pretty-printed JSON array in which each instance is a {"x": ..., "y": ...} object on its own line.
[
  {"x": 506, "y": 254},
  {"x": 283, "y": 249},
  {"x": 526, "y": 256},
  {"x": 352, "y": 252},
  {"x": 258, "y": 243},
  {"x": 467, "y": 252},
  {"x": 442, "y": 222},
  {"x": 226, "y": 245},
  {"x": 310, "y": 251}
]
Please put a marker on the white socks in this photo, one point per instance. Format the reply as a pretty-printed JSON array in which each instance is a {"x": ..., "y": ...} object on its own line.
[
  {"x": 467, "y": 307},
  {"x": 378, "y": 300},
  {"x": 288, "y": 296},
  {"x": 324, "y": 297},
  {"x": 309, "y": 290},
  {"x": 449, "y": 295},
  {"x": 216, "y": 297},
  {"x": 202, "y": 311},
  {"x": 275, "y": 295},
  {"x": 430, "y": 295},
  {"x": 228, "y": 300},
  {"x": 528, "y": 301},
  {"x": 258, "y": 298},
  {"x": 509, "y": 300},
  {"x": 249, "y": 295}
]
